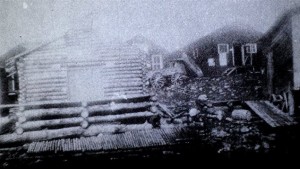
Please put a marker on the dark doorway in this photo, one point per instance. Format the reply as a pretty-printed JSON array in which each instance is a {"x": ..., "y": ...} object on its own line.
[{"x": 237, "y": 55}]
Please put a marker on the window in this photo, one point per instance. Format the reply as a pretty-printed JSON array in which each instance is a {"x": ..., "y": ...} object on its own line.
[
  {"x": 223, "y": 48},
  {"x": 12, "y": 84},
  {"x": 211, "y": 62},
  {"x": 251, "y": 48},
  {"x": 157, "y": 62},
  {"x": 223, "y": 59}
]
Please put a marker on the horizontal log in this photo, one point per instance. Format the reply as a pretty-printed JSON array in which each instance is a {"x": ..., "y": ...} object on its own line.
[
  {"x": 41, "y": 124},
  {"x": 46, "y": 78},
  {"x": 128, "y": 99},
  {"x": 51, "y": 95},
  {"x": 47, "y": 90},
  {"x": 106, "y": 67},
  {"x": 123, "y": 90},
  {"x": 109, "y": 108},
  {"x": 112, "y": 94},
  {"x": 119, "y": 117},
  {"x": 128, "y": 77},
  {"x": 56, "y": 54},
  {"x": 42, "y": 65},
  {"x": 47, "y": 81},
  {"x": 52, "y": 112},
  {"x": 46, "y": 85},
  {"x": 120, "y": 94},
  {"x": 45, "y": 75},
  {"x": 46, "y": 98},
  {"x": 41, "y": 135},
  {"x": 34, "y": 71},
  {"x": 133, "y": 80}
]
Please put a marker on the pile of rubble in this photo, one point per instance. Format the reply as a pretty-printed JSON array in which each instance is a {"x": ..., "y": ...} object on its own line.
[
  {"x": 227, "y": 126},
  {"x": 238, "y": 87}
]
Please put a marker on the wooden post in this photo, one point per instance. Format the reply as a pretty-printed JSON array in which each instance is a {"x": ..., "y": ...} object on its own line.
[
  {"x": 233, "y": 57},
  {"x": 270, "y": 72},
  {"x": 243, "y": 55}
]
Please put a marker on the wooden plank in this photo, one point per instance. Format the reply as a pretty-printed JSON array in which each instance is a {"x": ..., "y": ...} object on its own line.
[
  {"x": 288, "y": 120},
  {"x": 258, "y": 109},
  {"x": 165, "y": 109},
  {"x": 271, "y": 114}
]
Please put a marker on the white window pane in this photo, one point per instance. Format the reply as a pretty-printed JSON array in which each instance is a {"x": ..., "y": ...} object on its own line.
[
  {"x": 211, "y": 62},
  {"x": 223, "y": 59}
]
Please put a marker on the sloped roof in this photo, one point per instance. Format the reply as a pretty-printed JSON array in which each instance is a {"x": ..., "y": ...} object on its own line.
[
  {"x": 285, "y": 17},
  {"x": 75, "y": 43}
]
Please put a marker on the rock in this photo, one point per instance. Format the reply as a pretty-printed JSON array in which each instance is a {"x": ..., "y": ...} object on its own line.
[
  {"x": 203, "y": 97},
  {"x": 177, "y": 121},
  {"x": 209, "y": 105},
  {"x": 257, "y": 147},
  {"x": 266, "y": 145},
  {"x": 194, "y": 112},
  {"x": 245, "y": 129},
  {"x": 193, "y": 88},
  {"x": 185, "y": 119},
  {"x": 228, "y": 119},
  {"x": 211, "y": 110},
  {"x": 219, "y": 133},
  {"x": 241, "y": 114},
  {"x": 220, "y": 114}
]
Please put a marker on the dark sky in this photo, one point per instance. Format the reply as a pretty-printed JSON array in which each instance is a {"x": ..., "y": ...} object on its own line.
[{"x": 169, "y": 23}]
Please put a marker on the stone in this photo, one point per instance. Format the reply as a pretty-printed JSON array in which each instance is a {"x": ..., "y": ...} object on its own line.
[
  {"x": 219, "y": 133},
  {"x": 266, "y": 145},
  {"x": 185, "y": 119},
  {"x": 241, "y": 114},
  {"x": 203, "y": 97},
  {"x": 194, "y": 112},
  {"x": 228, "y": 119},
  {"x": 245, "y": 129},
  {"x": 257, "y": 147},
  {"x": 219, "y": 114}
]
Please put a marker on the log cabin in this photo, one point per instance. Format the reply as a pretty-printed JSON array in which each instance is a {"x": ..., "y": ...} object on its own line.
[{"x": 74, "y": 85}]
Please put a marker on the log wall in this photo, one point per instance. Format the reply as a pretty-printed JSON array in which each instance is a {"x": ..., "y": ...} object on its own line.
[{"x": 44, "y": 75}]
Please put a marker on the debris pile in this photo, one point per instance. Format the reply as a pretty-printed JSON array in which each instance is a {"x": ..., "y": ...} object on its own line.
[
  {"x": 238, "y": 87},
  {"x": 214, "y": 106}
]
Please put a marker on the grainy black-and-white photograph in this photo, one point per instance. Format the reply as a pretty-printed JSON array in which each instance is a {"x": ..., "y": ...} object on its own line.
[{"x": 86, "y": 82}]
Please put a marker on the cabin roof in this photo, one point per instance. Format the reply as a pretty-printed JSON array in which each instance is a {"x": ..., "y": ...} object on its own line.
[
  {"x": 73, "y": 41},
  {"x": 283, "y": 19}
]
